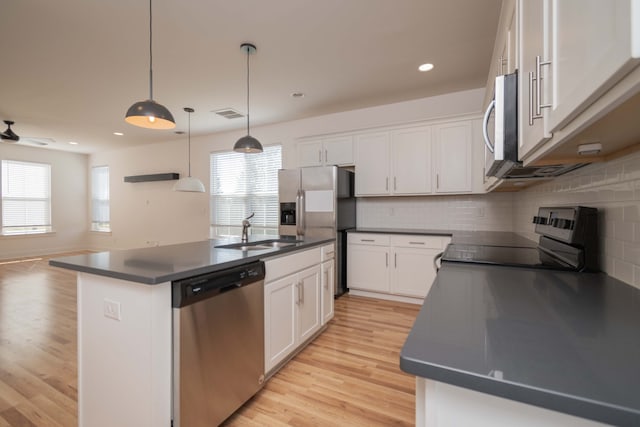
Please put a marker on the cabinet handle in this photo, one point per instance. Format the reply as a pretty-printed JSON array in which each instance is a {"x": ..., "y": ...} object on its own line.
[
  {"x": 386, "y": 186},
  {"x": 539, "y": 104},
  {"x": 394, "y": 183},
  {"x": 416, "y": 243},
  {"x": 319, "y": 156},
  {"x": 386, "y": 257},
  {"x": 437, "y": 181},
  {"x": 326, "y": 157},
  {"x": 326, "y": 280},
  {"x": 531, "y": 98},
  {"x": 395, "y": 260},
  {"x": 367, "y": 240}
]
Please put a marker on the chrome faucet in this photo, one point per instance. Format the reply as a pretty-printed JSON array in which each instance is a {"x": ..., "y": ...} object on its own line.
[{"x": 245, "y": 227}]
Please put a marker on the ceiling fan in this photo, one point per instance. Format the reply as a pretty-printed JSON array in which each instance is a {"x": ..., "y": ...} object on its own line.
[{"x": 10, "y": 136}]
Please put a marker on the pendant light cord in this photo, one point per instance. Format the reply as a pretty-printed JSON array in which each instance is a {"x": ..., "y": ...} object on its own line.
[
  {"x": 248, "y": 55},
  {"x": 150, "y": 52},
  {"x": 189, "y": 138}
]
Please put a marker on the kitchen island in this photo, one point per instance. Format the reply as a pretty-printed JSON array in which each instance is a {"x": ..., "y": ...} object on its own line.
[
  {"x": 125, "y": 335},
  {"x": 502, "y": 346}
]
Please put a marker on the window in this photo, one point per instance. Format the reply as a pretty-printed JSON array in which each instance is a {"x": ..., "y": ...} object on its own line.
[
  {"x": 242, "y": 184},
  {"x": 100, "y": 199},
  {"x": 26, "y": 197}
]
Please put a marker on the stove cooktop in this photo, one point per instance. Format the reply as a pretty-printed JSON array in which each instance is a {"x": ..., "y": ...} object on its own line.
[{"x": 504, "y": 255}]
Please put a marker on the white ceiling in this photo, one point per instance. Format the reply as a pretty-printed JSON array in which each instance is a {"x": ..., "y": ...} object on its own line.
[{"x": 71, "y": 68}]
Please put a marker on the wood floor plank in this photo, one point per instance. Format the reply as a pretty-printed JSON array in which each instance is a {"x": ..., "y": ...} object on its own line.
[{"x": 348, "y": 376}]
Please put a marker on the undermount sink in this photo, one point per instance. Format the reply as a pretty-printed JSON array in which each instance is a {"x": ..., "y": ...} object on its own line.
[{"x": 260, "y": 245}]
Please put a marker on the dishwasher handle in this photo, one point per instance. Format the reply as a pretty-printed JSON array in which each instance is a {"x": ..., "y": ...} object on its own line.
[{"x": 193, "y": 289}]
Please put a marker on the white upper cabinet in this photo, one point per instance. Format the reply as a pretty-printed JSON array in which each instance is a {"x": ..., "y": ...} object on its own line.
[
  {"x": 591, "y": 47},
  {"x": 326, "y": 151},
  {"x": 420, "y": 160},
  {"x": 573, "y": 54},
  {"x": 411, "y": 161},
  {"x": 452, "y": 157},
  {"x": 533, "y": 24},
  {"x": 372, "y": 164}
]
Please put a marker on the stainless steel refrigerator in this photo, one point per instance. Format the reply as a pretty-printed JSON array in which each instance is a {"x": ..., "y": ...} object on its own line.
[{"x": 319, "y": 202}]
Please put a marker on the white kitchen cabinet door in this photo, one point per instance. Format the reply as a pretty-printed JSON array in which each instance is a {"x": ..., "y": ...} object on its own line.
[
  {"x": 326, "y": 151},
  {"x": 338, "y": 151},
  {"x": 411, "y": 161},
  {"x": 280, "y": 320},
  {"x": 413, "y": 271},
  {"x": 308, "y": 303},
  {"x": 452, "y": 156},
  {"x": 533, "y": 21},
  {"x": 328, "y": 289},
  {"x": 368, "y": 268},
  {"x": 372, "y": 164},
  {"x": 592, "y": 48},
  {"x": 310, "y": 153}
]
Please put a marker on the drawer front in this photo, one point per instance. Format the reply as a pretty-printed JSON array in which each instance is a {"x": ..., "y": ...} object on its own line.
[
  {"x": 287, "y": 264},
  {"x": 420, "y": 241},
  {"x": 328, "y": 252},
  {"x": 368, "y": 239}
]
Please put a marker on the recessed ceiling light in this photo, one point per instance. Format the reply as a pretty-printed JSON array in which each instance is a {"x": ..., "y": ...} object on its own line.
[
  {"x": 118, "y": 133},
  {"x": 425, "y": 67},
  {"x": 297, "y": 95},
  {"x": 73, "y": 143}
]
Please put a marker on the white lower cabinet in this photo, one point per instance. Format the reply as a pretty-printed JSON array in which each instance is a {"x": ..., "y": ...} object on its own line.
[
  {"x": 294, "y": 302},
  {"x": 395, "y": 265},
  {"x": 328, "y": 289}
]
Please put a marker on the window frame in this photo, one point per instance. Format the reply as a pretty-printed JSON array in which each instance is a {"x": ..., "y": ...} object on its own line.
[
  {"x": 235, "y": 229},
  {"x": 25, "y": 229},
  {"x": 96, "y": 225}
]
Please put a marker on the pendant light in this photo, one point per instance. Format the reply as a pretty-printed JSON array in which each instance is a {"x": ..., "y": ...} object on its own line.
[
  {"x": 149, "y": 114},
  {"x": 248, "y": 144},
  {"x": 189, "y": 183}
]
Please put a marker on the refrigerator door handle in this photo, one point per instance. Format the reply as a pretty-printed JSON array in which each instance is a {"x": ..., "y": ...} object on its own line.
[
  {"x": 300, "y": 208},
  {"x": 298, "y": 213}
]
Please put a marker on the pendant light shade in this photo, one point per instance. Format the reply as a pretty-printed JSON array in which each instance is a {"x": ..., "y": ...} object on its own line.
[
  {"x": 248, "y": 144},
  {"x": 149, "y": 114},
  {"x": 189, "y": 183}
]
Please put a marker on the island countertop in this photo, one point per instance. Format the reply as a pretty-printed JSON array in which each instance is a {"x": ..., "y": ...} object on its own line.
[
  {"x": 161, "y": 264},
  {"x": 565, "y": 341}
]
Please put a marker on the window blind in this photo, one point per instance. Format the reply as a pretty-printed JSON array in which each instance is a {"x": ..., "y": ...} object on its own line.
[
  {"x": 26, "y": 197},
  {"x": 242, "y": 184},
  {"x": 100, "y": 199}
]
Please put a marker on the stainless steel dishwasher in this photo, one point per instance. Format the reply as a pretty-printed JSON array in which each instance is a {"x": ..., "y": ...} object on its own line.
[{"x": 218, "y": 344}]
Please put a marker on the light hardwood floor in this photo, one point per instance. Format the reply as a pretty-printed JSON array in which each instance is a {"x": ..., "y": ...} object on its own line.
[{"x": 348, "y": 376}]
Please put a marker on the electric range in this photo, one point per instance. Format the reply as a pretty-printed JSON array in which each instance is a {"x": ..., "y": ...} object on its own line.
[{"x": 568, "y": 241}]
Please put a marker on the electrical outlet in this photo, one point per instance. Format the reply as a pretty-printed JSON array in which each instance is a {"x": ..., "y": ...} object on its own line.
[{"x": 112, "y": 309}]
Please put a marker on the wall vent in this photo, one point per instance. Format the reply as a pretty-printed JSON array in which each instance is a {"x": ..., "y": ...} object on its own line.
[{"x": 229, "y": 113}]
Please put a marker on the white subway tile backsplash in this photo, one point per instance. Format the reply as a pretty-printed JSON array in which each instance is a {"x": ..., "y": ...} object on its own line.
[{"x": 613, "y": 188}]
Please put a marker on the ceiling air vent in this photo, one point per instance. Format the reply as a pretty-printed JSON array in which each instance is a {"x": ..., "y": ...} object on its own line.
[{"x": 229, "y": 113}]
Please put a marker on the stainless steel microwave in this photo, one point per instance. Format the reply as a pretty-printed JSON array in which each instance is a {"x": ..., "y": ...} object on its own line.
[{"x": 501, "y": 152}]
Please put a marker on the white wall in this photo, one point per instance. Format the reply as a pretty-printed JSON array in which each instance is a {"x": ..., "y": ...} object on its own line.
[
  {"x": 147, "y": 214},
  {"x": 69, "y": 203}
]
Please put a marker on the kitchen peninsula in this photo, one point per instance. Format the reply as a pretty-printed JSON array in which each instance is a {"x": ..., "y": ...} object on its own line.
[{"x": 125, "y": 334}]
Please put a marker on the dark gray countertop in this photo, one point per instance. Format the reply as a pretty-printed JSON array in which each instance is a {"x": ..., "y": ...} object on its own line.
[
  {"x": 565, "y": 341},
  {"x": 490, "y": 238},
  {"x": 173, "y": 262}
]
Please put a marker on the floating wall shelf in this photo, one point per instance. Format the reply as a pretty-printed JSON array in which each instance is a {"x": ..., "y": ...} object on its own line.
[{"x": 153, "y": 177}]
